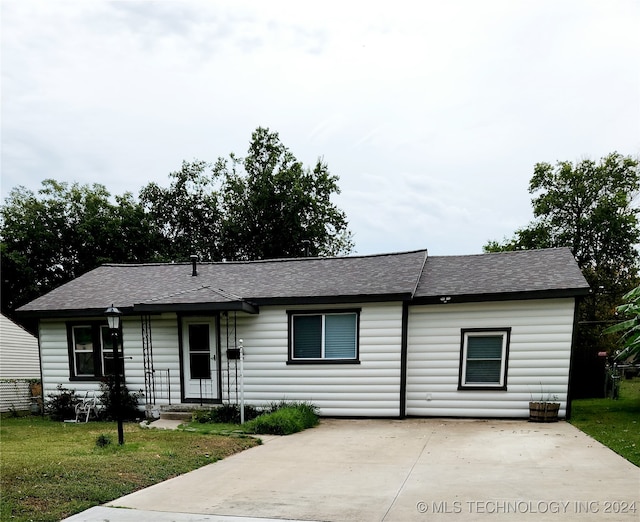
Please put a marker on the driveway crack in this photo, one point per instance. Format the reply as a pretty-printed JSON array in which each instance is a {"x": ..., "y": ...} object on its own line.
[{"x": 395, "y": 498}]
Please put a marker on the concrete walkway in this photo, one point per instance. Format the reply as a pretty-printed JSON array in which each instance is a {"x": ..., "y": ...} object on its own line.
[{"x": 388, "y": 470}]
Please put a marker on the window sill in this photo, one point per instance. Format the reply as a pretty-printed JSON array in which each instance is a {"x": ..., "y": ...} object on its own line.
[
  {"x": 323, "y": 361},
  {"x": 474, "y": 387}
]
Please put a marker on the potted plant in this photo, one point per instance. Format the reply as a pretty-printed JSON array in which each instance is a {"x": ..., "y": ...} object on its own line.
[{"x": 544, "y": 410}]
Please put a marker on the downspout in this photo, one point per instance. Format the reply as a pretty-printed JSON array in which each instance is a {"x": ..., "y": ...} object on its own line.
[
  {"x": 404, "y": 340},
  {"x": 403, "y": 359}
]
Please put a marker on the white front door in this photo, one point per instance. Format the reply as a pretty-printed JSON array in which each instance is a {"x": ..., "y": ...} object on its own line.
[{"x": 200, "y": 369}]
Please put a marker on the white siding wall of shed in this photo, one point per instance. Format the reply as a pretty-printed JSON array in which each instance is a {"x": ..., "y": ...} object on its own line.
[
  {"x": 18, "y": 352},
  {"x": 539, "y": 356},
  {"x": 371, "y": 388}
]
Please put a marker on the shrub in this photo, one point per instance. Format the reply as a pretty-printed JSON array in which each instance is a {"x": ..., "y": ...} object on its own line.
[
  {"x": 60, "y": 405},
  {"x": 284, "y": 419},
  {"x": 128, "y": 400},
  {"x": 225, "y": 414},
  {"x": 103, "y": 440}
]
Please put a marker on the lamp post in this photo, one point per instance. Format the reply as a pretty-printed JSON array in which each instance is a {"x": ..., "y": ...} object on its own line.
[{"x": 113, "y": 319}]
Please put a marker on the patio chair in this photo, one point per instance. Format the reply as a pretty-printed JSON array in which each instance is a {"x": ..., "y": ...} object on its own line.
[{"x": 87, "y": 406}]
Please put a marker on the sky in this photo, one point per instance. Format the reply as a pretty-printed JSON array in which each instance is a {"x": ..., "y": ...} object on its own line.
[{"x": 432, "y": 113}]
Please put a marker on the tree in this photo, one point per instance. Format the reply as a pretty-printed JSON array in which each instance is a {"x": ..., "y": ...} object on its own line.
[
  {"x": 589, "y": 208},
  {"x": 630, "y": 328},
  {"x": 65, "y": 230},
  {"x": 274, "y": 207},
  {"x": 262, "y": 206},
  {"x": 186, "y": 215}
]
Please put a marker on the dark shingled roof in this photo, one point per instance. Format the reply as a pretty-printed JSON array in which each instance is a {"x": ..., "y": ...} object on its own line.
[
  {"x": 525, "y": 271},
  {"x": 388, "y": 276},
  {"x": 245, "y": 285}
]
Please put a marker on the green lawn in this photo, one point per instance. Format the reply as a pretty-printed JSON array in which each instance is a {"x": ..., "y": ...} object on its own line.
[
  {"x": 51, "y": 470},
  {"x": 615, "y": 423}
]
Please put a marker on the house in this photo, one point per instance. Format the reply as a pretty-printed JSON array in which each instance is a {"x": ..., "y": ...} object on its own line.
[
  {"x": 19, "y": 365},
  {"x": 379, "y": 336}
]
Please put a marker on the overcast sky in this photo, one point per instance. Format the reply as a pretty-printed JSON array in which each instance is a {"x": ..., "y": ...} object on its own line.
[{"x": 432, "y": 113}]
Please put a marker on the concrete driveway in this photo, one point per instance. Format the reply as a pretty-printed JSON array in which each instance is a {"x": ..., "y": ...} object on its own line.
[{"x": 392, "y": 470}]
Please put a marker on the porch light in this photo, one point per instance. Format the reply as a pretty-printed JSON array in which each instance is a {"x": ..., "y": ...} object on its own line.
[{"x": 113, "y": 319}]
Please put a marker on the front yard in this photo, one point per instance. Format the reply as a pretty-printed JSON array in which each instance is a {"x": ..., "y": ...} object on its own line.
[
  {"x": 614, "y": 423},
  {"x": 51, "y": 470}
]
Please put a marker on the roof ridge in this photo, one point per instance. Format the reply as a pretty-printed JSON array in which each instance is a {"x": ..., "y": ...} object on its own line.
[
  {"x": 219, "y": 291},
  {"x": 510, "y": 252},
  {"x": 274, "y": 260}
]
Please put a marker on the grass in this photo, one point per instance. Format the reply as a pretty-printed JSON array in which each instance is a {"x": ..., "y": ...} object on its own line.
[
  {"x": 52, "y": 470},
  {"x": 614, "y": 423},
  {"x": 279, "y": 418}
]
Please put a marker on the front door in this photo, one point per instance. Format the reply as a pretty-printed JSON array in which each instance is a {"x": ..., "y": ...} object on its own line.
[{"x": 200, "y": 368}]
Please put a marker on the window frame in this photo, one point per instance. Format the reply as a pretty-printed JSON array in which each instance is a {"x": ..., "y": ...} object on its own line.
[
  {"x": 291, "y": 314},
  {"x": 465, "y": 334},
  {"x": 99, "y": 350}
]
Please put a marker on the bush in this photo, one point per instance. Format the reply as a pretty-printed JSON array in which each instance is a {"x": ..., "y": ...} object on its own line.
[
  {"x": 284, "y": 419},
  {"x": 60, "y": 405},
  {"x": 103, "y": 440},
  {"x": 128, "y": 400},
  {"x": 225, "y": 414}
]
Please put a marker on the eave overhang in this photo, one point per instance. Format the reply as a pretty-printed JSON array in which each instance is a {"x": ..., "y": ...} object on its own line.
[{"x": 501, "y": 296}]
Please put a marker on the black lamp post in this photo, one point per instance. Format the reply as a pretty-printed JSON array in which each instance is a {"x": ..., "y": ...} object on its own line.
[{"x": 113, "y": 318}]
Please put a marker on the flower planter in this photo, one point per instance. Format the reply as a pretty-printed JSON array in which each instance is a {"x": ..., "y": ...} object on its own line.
[{"x": 543, "y": 411}]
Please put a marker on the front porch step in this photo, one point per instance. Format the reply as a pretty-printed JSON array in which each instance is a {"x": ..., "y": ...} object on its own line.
[
  {"x": 181, "y": 412},
  {"x": 184, "y": 416}
]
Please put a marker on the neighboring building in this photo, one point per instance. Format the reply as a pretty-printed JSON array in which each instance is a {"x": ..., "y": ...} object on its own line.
[
  {"x": 381, "y": 336},
  {"x": 19, "y": 364}
]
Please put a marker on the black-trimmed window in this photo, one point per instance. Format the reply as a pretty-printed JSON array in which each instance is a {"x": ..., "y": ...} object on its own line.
[
  {"x": 324, "y": 336},
  {"x": 484, "y": 354},
  {"x": 91, "y": 350}
]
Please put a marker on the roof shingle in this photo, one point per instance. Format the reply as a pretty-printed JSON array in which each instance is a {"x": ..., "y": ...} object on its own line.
[{"x": 399, "y": 276}]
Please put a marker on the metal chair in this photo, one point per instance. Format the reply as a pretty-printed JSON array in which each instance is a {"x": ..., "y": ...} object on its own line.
[{"x": 87, "y": 406}]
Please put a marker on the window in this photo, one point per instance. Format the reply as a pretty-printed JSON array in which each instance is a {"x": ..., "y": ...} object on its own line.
[
  {"x": 90, "y": 350},
  {"x": 328, "y": 336},
  {"x": 483, "y": 358}
]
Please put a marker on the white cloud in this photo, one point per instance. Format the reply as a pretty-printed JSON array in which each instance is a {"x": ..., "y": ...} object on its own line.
[{"x": 432, "y": 114}]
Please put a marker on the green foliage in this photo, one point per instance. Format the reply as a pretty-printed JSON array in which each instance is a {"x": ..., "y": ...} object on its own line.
[
  {"x": 225, "y": 413},
  {"x": 630, "y": 328},
  {"x": 265, "y": 205},
  {"x": 275, "y": 207},
  {"x": 60, "y": 405},
  {"x": 285, "y": 419},
  {"x": 588, "y": 207},
  {"x": 103, "y": 440},
  {"x": 614, "y": 423},
  {"x": 63, "y": 231},
  {"x": 128, "y": 400},
  {"x": 186, "y": 214}
]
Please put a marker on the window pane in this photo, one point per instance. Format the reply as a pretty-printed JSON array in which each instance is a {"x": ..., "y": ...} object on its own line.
[
  {"x": 199, "y": 337},
  {"x": 483, "y": 371},
  {"x": 82, "y": 338},
  {"x": 340, "y": 336},
  {"x": 484, "y": 347},
  {"x": 307, "y": 336},
  {"x": 200, "y": 365},
  {"x": 84, "y": 363},
  {"x": 107, "y": 351}
]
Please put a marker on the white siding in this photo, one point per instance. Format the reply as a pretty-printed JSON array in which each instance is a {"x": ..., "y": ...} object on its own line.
[
  {"x": 164, "y": 341},
  {"x": 164, "y": 336},
  {"x": 539, "y": 356},
  {"x": 18, "y": 352},
  {"x": 371, "y": 388}
]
